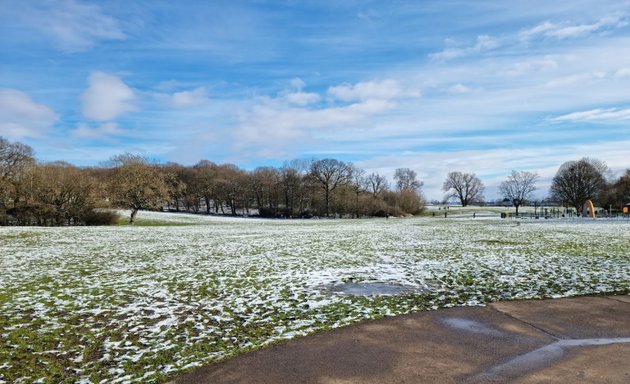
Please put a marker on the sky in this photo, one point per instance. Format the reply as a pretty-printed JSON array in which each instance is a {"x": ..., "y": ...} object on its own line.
[{"x": 484, "y": 87}]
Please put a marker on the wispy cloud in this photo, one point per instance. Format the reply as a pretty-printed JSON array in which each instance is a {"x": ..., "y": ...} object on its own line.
[
  {"x": 302, "y": 98},
  {"x": 483, "y": 43},
  {"x": 568, "y": 30},
  {"x": 103, "y": 131},
  {"x": 22, "y": 117},
  {"x": 533, "y": 65},
  {"x": 271, "y": 124},
  {"x": 622, "y": 72},
  {"x": 191, "y": 98},
  {"x": 575, "y": 79},
  {"x": 73, "y": 25},
  {"x": 107, "y": 97},
  {"x": 459, "y": 89},
  {"x": 382, "y": 90},
  {"x": 596, "y": 115}
]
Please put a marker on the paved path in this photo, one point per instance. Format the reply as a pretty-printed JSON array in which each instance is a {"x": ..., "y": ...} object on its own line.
[{"x": 572, "y": 340}]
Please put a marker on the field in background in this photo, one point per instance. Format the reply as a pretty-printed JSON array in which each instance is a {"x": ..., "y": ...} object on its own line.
[{"x": 137, "y": 304}]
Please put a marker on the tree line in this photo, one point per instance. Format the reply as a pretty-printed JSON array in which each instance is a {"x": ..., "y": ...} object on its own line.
[
  {"x": 59, "y": 193},
  {"x": 574, "y": 183}
]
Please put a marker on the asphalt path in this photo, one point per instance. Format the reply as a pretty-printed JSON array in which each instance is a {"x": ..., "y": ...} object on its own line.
[{"x": 569, "y": 340}]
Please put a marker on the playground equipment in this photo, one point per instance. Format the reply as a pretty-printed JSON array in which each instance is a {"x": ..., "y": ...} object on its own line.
[{"x": 588, "y": 210}]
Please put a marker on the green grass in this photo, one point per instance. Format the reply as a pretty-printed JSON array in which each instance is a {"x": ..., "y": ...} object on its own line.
[{"x": 124, "y": 221}]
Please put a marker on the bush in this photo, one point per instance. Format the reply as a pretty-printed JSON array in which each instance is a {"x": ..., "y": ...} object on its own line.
[{"x": 95, "y": 217}]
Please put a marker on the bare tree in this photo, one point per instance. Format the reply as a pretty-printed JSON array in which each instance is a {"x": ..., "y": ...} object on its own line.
[
  {"x": 467, "y": 187},
  {"x": 176, "y": 180},
  {"x": 358, "y": 181},
  {"x": 621, "y": 189},
  {"x": 579, "y": 181},
  {"x": 16, "y": 159},
  {"x": 135, "y": 184},
  {"x": 376, "y": 184},
  {"x": 518, "y": 187},
  {"x": 265, "y": 185},
  {"x": 291, "y": 188},
  {"x": 406, "y": 180},
  {"x": 330, "y": 174},
  {"x": 206, "y": 175}
]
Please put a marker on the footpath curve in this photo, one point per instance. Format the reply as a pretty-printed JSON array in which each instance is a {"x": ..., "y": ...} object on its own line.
[{"x": 569, "y": 340}]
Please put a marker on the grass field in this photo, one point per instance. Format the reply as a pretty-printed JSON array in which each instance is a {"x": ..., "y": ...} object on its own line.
[{"x": 142, "y": 303}]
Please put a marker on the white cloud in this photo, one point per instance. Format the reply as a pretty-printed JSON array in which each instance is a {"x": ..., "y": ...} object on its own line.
[
  {"x": 20, "y": 116},
  {"x": 272, "y": 125},
  {"x": 459, "y": 89},
  {"x": 107, "y": 97},
  {"x": 385, "y": 90},
  {"x": 484, "y": 43},
  {"x": 575, "y": 79},
  {"x": 192, "y": 98},
  {"x": 569, "y": 31},
  {"x": 544, "y": 64},
  {"x": 297, "y": 83},
  {"x": 105, "y": 130},
  {"x": 302, "y": 98},
  {"x": 622, "y": 72},
  {"x": 596, "y": 115},
  {"x": 73, "y": 25}
]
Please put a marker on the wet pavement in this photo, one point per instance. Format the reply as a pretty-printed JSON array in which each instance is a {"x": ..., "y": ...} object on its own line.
[{"x": 570, "y": 340}]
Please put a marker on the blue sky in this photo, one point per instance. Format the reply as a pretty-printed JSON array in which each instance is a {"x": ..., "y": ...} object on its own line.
[{"x": 436, "y": 86}]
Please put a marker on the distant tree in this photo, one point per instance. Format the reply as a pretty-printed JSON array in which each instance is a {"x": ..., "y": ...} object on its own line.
[
  {"x": 408, "y": 194},
  {"x": 238, "y": 190},
  {"x": 265, "y": 185},
  {"x": 16, "y": 160},
  {"x": 356, "y": 185},
  {"x": 579, "y": 181},
  {"x": 135, "y": 184},
  {"x": 61, "y": 194},
  {"x": 376, "y": 184},
  {"x": 464, "y": 186},
  {"x": 206, "y": 186},
  {"x": 176, "y": 179},
  {"x": 329, "y": 174},
  {"x": 518, "y": 187},
  {"x": 406, "y": 180},
  {"x": 294, "y": 186},
  {"x": 621, "y": 189}
]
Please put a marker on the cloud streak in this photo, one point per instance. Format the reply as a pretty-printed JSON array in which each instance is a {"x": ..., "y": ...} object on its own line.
[
  {"x": 73, "y": 26},
  {"x": 483, "y": 44},
  {"x": 568, "y": 30},
  {"x": 103, "y": 131},
  {"x": 596, "y": 115}
]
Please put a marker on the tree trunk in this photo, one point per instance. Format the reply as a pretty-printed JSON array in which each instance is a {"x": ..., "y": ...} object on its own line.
[
  {"x": 132, "y": 219},
  {"x": 207, "y": 201}
]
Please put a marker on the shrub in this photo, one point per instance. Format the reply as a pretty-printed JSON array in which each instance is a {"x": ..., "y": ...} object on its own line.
[{"x": 95, "y": 217}]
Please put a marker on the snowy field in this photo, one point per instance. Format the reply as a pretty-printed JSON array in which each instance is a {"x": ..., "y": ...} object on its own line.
[{"x": 139, "y": 304}]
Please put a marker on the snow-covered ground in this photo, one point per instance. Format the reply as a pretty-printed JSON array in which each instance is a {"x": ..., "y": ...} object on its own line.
[{"x": 138, "y": 303}]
